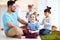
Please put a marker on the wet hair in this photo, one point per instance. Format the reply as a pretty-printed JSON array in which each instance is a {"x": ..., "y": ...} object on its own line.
[
  {"x": 48, "y": 9},
  {"x": 9, "y": 3}
]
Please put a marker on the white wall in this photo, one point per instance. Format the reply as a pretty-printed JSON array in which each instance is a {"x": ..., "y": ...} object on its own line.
[
  {"x": 54, "y": 12},
  {"x": 2, "y": 11},
  {"x": 59, "y": 13},
  {"x": 55, "y": 4},
  {"x": 41, "y": 6}
]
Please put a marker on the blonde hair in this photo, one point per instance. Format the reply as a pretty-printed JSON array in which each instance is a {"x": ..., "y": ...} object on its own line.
[
  {"x": 35, "y": 14},
  {"x": 32, "y": 14}
]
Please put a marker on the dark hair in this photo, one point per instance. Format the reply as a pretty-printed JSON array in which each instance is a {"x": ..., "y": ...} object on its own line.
[
  {"x": 15, "y": 0},
  {"x": 30, "y": 6},
  {"x": 48, "y": 9},
  {"x": 54, "y": 26},
  {"x": 12, "y": 0},
  {"x": 9, "y": 3}
]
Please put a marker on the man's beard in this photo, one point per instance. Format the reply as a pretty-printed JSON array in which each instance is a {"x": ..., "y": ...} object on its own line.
[{"x": 12, "y": 10}]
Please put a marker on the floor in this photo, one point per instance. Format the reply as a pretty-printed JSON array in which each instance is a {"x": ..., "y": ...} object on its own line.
[{"x": 3, "y": 37}]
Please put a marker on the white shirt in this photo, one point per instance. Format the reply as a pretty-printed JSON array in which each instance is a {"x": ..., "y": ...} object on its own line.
[{"x": 47, "y": 24}]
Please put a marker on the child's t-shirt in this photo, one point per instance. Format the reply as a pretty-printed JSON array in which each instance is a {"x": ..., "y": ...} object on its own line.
[
  {"x": 47, "y": 24},
  {"x": 28, "y": 15},
  {"x": 33, "y": 26}
]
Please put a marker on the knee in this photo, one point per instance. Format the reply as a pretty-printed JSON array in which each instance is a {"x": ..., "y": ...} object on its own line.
[{"x": 18, "y": 31}]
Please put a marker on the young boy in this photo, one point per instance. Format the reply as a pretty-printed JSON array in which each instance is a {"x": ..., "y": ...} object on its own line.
[{"x": 30, "y": 8}]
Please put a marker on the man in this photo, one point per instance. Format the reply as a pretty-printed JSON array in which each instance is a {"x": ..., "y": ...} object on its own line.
[{"x": 10, "y": 21}]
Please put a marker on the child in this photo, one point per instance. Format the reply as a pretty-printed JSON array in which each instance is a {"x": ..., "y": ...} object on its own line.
[
  {"x": 30, "y": 7},
  {"x": 35, "y": 13},
  {"x": 46, "y": 22},
  {"x": 33, "y": 28}
]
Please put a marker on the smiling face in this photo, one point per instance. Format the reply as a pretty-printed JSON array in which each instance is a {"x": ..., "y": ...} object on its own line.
[
  {"x": 32, "y": 18},
  {"x": 13, "y": 7},
  {"x": 46, "y": 14}
]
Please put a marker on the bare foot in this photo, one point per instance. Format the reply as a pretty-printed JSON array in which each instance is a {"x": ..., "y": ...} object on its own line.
[
  {"x": 2, "y": 29},
  {"x": 18, "y": 36},
  {"x": 22, "y": 37}
]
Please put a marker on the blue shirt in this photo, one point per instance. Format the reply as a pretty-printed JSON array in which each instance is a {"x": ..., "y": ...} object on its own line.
[
  {"x": 28, "y": 15},
  {"x": 8, "y": 17},
  {"x": 33, "y": 26}
]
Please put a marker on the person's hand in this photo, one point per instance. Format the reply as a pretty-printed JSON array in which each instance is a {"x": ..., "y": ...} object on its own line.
[
  {"x": 26, "y": 17},
  {"x": 31, "y": 31},
  {"x": 43, "y": 21},
  {"x": 13, "y": 27}
]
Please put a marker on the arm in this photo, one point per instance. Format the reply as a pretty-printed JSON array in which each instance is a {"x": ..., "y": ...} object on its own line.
[
  {"x": 42, "y": 22},
  {"x": 7, "y": 21},
  {"x": 48, "y": 23},
  {"x": 10, "y": 24},
  {"x": 22, "y": 21},
  {"x": 27, "y": 14}
]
